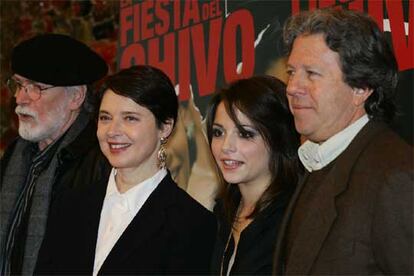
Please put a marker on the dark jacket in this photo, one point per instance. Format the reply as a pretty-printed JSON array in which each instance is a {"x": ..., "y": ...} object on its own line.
[
  {"x": 77, "y": 157},
  {"x": 171, "y": 234},
  {"x": 360, "y": 220},
  {"x": 257, "y": 241}
]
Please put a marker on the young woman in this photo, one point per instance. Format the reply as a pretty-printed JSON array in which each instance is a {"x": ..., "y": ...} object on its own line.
[
  {"x": 135, "y": 219},
  {"x": 254, "y": 143}
]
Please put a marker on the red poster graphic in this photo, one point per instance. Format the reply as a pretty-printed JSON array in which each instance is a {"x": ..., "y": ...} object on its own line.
[{"x": 204, "y": 45}]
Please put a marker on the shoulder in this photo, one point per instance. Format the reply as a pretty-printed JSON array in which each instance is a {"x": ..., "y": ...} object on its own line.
[
  {"x": 374, "y": 147},
  {"x": 81, "y": 163},
  {"x": 189, "y": 204},
  {"x": 385, "y": 150},
  {"x": 183, "y": 208},
  {"x": 81, "y": 154},
  {"x": 379, "y": 163}
]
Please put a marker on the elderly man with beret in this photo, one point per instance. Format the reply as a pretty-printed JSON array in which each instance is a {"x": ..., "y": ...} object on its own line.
[{"x": 57, "y": 143}]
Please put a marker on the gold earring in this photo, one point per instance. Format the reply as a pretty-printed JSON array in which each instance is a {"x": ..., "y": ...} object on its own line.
[{"x": 162, "y": 154}]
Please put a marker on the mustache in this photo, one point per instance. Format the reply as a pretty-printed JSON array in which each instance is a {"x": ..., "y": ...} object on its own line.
[{"x": 24, "y": 111}]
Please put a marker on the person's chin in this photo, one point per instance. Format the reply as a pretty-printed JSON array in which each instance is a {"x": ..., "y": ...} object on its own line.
[
  {"x": 232, "y": 177},
  {"x": 117, "y": 161},
  {"x": 116, "y": 164},
  {"x": 28, "y": 133}
]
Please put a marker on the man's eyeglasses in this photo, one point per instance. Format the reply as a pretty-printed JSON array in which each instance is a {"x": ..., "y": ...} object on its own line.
[{"x": 33, "y": 90}]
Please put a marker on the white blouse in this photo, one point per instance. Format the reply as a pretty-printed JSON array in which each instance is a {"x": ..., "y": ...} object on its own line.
[{"x": 117, "y": 212}]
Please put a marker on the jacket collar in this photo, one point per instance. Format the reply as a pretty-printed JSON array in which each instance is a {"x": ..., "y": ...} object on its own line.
[
  {"x": 148, "y": 220},
  {"x": 316, "y": 156},
  {"x": 79, "y": 138}
]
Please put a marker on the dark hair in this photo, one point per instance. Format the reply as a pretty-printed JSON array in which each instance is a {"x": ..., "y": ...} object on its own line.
[
  {"x": 367, "y": 60},
  {"x": 263, "y": 100},
  {"x": 148, "y": 87}
]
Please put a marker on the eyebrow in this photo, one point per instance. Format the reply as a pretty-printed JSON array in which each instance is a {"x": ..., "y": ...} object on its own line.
[
  {"x": 122, "y": 112},
  {"x": 130, "y": 113},
  {"x": 306, "y": 66},
  {"x": 242, "y": 125},
  {"x": 250, "y": 126}
]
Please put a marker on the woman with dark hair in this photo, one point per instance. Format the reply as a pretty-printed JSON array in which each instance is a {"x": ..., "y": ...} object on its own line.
[
  {"x": 134, "y": 219},
  {"x": 253, "y": 140}
]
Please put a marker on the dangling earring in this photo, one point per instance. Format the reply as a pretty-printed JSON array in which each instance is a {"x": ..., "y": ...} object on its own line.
[{"x": 162, "y": 154}]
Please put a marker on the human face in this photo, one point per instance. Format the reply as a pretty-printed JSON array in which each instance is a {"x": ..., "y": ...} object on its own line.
[
  {"x": 321, "y": 102},
  {"x": 45, "y": 119},
  {"x": 243, "y": 158},
  {"x": 128, "y": 134}
]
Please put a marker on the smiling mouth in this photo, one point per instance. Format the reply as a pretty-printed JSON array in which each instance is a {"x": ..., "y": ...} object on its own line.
[
  {"x": 118, "y": 147},
  {"x": 231, "y": 164}
]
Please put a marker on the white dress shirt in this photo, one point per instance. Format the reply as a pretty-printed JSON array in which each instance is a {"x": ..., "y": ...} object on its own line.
[
  {"x": 117, "y": 212},
  {"x": 316, "y": 156}
]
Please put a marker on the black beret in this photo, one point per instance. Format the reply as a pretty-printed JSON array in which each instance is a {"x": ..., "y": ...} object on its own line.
[{"x": 58, "y": 60}]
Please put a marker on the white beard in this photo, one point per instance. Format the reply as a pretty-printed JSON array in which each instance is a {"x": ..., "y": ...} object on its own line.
[{"x": 36, "y": 131}]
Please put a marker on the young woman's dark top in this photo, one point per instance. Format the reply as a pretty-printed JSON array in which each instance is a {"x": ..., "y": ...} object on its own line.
[{"x": 257, "y": 241}]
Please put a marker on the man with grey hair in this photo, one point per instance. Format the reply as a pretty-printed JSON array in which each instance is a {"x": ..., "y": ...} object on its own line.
[
  {"x": 353, "y": 211},
  {"x": 57, "y": 143}
]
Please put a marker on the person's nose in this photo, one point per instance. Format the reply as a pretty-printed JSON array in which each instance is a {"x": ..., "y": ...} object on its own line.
[
  {"x": 229, "y": 143},
  {"x": 21, "y": 96},
  {"x": 296, "y": 85},
  {"x": 114, "y": 129}
]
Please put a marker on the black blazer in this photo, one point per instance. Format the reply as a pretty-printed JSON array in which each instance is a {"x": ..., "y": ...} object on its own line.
[
  {"x": 171, "y": 234},
  {"x": 256, "y": 244}
]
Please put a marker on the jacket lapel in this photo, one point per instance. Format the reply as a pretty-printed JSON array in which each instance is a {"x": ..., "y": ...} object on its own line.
[
  {"x": 279, "y": 258},
  {"x": 322, "y": 210},
  {"x": 144, "y": 225},
  {"x": 315, "y": 227}
]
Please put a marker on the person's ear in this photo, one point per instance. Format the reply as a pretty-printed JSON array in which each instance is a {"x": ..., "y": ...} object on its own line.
[
  {"x": 78, "y": 95},
  {"x": 361, "y": 95},
  {"x": 166, "y": 128}
]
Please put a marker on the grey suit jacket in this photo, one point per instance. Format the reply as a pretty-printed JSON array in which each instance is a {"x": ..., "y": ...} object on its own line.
[{"x": 361, "y": 219}]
